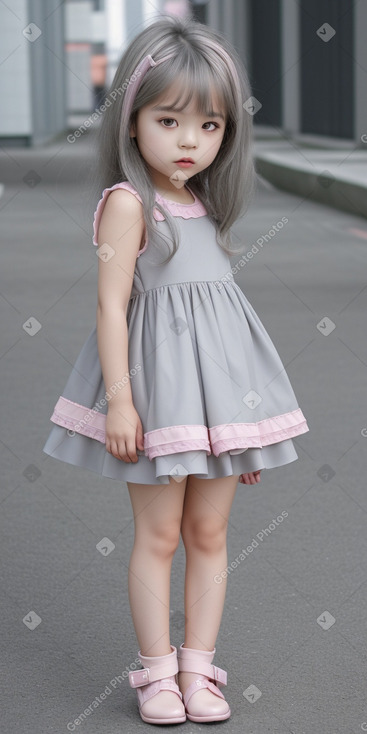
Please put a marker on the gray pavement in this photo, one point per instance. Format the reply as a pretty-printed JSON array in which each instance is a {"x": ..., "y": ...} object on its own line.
[{"x": 292, "y": 637}]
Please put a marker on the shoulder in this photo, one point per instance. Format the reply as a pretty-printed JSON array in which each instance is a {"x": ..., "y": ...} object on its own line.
[
  {"x": 119, "y": 207},
  {"x": 122, "y": 201},
  {"x": 123, "y": 191}
]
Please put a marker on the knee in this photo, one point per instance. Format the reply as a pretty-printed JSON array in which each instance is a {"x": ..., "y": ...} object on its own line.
[
  {"x": 207, "y": 534},
  {"x": 162, "y": 540}
]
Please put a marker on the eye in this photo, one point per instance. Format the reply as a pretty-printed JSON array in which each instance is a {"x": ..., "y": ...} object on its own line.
[
  {"x": 170, "y": 119},
  {"x": 212, "y": 123}
]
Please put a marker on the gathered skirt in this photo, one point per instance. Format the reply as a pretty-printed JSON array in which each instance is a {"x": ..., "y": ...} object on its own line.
[{"x": 207, "y": 382}]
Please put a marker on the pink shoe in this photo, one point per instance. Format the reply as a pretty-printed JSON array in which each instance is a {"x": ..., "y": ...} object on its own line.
[
  {"x": 159, "y": 674},
  {"x": 199, "y": 661}
]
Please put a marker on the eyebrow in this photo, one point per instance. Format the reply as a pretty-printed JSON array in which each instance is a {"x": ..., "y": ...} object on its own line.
[{"x": 167, "y": 108}]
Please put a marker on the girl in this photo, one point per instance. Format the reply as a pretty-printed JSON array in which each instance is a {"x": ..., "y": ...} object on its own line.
[{"x": 179, "y": 390}]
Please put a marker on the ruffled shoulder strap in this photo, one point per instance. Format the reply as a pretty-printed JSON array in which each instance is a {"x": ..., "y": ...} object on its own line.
[{"x": 101, "y": 204}]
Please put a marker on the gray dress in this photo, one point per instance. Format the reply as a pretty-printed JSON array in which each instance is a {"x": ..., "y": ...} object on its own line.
[{"x": 209, "y": 386}]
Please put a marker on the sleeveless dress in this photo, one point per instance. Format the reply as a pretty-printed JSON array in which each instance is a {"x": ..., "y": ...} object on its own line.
[{"x": 208, "y": 385}]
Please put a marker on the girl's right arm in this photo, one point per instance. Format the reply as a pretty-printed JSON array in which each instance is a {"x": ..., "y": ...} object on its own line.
[{"x": 121, "y": 227}]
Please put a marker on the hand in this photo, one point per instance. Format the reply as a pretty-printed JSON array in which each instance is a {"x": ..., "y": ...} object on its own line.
[
  {"x": 251, "y": 478},
  {"x": 124, "y": 432}
]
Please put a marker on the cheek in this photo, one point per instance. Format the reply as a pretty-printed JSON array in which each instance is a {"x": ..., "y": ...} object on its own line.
[
  {"x": 156, "y": 133},
  {"x": 153, "y": 137},
  {"x": 213, "y": 146}
]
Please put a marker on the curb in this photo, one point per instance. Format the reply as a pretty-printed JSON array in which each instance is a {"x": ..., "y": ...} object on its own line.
[{"x": 324, "y": 187}]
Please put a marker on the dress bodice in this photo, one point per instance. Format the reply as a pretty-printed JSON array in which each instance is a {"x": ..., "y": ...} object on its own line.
[{"x": 199, "y": 257}]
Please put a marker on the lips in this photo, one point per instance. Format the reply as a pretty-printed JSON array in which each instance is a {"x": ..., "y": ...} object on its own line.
[{"x": 185, "y": 160}]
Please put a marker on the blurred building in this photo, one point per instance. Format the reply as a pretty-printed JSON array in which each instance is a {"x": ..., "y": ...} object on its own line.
[
  {"x": 32, "y": 72},
  {"x": 306, "y": 61}
]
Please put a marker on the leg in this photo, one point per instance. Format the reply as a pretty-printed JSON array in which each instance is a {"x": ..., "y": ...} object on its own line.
[
  {"x": 157, "y": 516},
  {"x": 206, "y": 511}
]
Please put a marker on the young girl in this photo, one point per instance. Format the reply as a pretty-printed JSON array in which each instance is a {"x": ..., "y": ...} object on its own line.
[{"x": 179, "y": 390}]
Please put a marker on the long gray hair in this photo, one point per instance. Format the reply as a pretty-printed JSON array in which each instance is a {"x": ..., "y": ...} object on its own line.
[{"x": 226, "y": 186}]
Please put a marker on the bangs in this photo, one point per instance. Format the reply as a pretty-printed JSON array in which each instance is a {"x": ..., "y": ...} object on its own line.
[
  {"x": 191, "y": 78},
  {"x": 187, "y": 89}
]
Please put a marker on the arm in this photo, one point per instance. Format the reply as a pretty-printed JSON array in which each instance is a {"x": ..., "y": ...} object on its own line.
[{"x": 121, "y": 227}]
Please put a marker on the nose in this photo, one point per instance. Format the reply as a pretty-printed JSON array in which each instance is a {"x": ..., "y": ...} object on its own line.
[{"x": 188, "y": 138}]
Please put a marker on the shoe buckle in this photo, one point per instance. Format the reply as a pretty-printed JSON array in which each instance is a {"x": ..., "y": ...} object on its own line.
[
  {"x": 139, "y": 678},
  {"x": 220, "y": 675}
]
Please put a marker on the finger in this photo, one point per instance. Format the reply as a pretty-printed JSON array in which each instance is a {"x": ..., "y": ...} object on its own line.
[
  {"x": 119, "y": 450},
  {"x": 140, "y": 436},
  {"x": 131, "y": 451},
  {"x": 124, "y": 453},
  {"x": 113, "y": 449}
]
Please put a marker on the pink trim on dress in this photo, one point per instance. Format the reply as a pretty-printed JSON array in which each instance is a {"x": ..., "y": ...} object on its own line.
[
  {"x": 75, "y": 417},
  {"x": 232, "y": 437},
  {"x": 259, "y": 434},
  {"x": 174, "y": 439},
  {"x": 186, "y": 211}
]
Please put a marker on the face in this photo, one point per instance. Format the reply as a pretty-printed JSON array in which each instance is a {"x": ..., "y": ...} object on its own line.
[{"x": 164, "y": 136}]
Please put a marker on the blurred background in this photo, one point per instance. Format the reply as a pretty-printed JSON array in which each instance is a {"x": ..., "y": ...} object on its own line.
[{"x": 57, "y": 58}]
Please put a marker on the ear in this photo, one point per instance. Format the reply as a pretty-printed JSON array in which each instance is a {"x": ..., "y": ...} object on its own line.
[{"x": 132, "y": 131}]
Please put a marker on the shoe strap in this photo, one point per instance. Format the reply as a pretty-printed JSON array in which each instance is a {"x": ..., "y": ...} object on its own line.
[
  {"x": 164, "y": 684},
  {"x": 198, "y": 685},
  {"x": 144, "y": 676},
  {"x": 198, "y": 666}
]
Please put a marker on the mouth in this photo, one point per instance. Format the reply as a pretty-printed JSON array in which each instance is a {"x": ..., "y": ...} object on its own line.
[{"x": 185, "y": 160}]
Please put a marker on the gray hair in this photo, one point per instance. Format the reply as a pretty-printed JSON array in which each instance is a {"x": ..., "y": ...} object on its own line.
[{"x": 226, "y": 186}]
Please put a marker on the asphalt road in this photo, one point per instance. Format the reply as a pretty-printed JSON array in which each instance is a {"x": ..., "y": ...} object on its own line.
[{"x": 293, "y": 634}]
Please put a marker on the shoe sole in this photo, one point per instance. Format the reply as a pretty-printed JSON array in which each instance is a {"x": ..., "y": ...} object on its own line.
[{"x": 148, "y": 720}]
